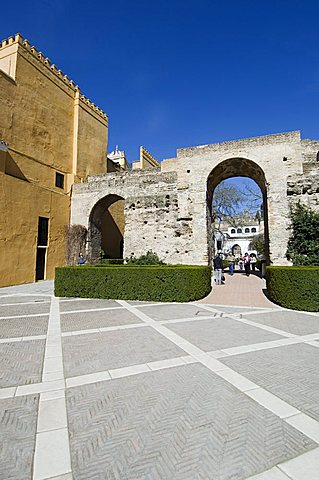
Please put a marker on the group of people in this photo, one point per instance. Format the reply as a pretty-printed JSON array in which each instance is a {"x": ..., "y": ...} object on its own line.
[{"x": 246, "y": 263}]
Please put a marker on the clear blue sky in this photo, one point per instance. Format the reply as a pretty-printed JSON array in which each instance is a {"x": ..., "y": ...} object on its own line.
[{"x": 173, "y": 73}]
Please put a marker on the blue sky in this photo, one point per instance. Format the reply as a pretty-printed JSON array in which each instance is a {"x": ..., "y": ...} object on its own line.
[{"x": 172, "y": 74}]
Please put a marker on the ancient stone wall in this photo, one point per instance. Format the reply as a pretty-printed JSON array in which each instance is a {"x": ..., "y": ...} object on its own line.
[{"x": 168, "y": 211}]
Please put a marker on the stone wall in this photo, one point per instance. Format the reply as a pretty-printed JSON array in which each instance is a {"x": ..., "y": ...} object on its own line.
[{"x": 167, "y": 211}]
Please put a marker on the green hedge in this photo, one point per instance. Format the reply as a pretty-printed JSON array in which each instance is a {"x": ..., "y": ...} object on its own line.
[
  {"x": 167, "y": 283},
  {"x": 294, "y": 287}
]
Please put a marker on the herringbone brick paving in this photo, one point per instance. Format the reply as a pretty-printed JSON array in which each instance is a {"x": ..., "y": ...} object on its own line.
[
  {"x": 219, "y": 333},
  {"x": 290, "y": 372},
  {"x": 18, "y": 422},
  {"x": 22, "y": 327},
  {"x": 293, "y": 322},
  {"x": 21, "y": 362},
  {"x": 103, "y": 351},
  {"x": 182, "y": 424},
  {"x": 68, "y": 306},
  {"x": 12, "y": 310},
  {"x": 108, "y": 318}
]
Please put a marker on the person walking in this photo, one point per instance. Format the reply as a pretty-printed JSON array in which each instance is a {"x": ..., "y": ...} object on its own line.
[
  {"x": 218, "y": 269},
  {"x": 246, "y": 262},
  {"x": 231, "y": 260},
  {"x": 253, "y": 261}
]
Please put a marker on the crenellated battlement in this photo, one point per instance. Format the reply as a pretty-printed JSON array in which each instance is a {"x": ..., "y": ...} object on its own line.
[{"x": 24, "y": 43}]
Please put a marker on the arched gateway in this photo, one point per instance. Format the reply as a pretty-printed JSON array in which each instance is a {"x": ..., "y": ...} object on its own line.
[{"x": 169, "y": 210}]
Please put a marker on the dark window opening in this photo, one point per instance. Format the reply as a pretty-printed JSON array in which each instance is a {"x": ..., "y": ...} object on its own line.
[
  {"x": 219, "y": 244},
  {"x": 253, "y": 230},
  {"x": 239, "y": 230},
  {"x": 59, "y": 180},
  {"x": 233, "y": 230},
  {"x": 246, "y": 230}
]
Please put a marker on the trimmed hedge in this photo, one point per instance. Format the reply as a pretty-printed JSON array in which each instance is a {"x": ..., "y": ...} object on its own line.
[
  {"x": 165, "y": 283},
  {"x": 294, "y": 287}
]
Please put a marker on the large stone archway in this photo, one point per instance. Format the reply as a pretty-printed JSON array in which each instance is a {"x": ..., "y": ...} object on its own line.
[
  {"x": 166, "y": 210},
  {"x": 237, "y": 167}
]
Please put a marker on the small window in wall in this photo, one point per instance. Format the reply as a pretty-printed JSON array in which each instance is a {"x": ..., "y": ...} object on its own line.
[
  {"x": 253, "y": 230},
  {"x": 233, "y": 230},
  {"x": 239, "y": 230},
  {"x": 246, "y": 230},
  {"x": 59, "y": 180},
  {"x": 317, "y": 156},
  {"x": 219, "y": 244}
]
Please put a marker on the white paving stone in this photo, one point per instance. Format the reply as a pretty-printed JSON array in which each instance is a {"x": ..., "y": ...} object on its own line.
[
  {"x": 170, "y": 362},
  {"x": 237, "y": 380},
  {"x": 126, "y": 371},
  {"x": 39, "y": 387},
  {"x": 86, "y": 379},
  {"x": 52, "y": 414},
  {"x": 52, "y": 364},
  {"x": 51, "y": 395},
  {"x": 52, "y": 454},
  {"x": 272, "y": 403},
  {"x": 304, "y": 467},
  {"x": 7, "y": 392},
  {"x": 306, "y": 425}
]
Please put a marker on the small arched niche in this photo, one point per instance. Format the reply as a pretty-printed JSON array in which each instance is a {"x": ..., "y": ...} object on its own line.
[{"x": 106, "y": 228}]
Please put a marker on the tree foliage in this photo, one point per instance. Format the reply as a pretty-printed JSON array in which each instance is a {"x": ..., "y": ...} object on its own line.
[
  {"x": 150, "y": 258},
  {"x": 227, "y": 201},
  {"x": 258, "y": 243},
  {"x": 303, "y": 245}
]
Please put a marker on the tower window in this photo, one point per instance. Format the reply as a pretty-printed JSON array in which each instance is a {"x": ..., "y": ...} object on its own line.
[
  {"x": 246, "y": 230},
  {"x": 239, "y": 230},
  {"x": 59, "y": 180},
  {"x": 233, "y": 230}
]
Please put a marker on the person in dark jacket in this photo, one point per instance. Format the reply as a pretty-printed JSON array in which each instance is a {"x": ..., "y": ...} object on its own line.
[{"x": 218, "y": 269}]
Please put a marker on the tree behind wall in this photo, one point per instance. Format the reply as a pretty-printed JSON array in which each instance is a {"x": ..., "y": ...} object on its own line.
[
  {"x": 303, "y": 245},
  {"x": 75, "y": 241}
]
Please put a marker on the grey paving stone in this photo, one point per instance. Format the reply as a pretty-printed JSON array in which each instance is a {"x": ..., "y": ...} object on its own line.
[
  {"x": 290, "y": 372},
  {"x": 23, "y": 327},
  {"x": 292, "y": 322},
  {"x": 220, "y": 333},
  {"x": 170, "y": 312},
  {"x": 17, "y": 310},
  {"x": 234, "y": 309},
  {"x": 86, "y": 304},
  {"x": 108, "y": 318},
  {"x": 103, "y": 351},
  {"x": 184, "y": 423},
  {"x": 21, "y": 362},
  {"x": 18, "y": 422},
  {"x": 44, "y": 287},
  {"x": 24, "y": 299}
]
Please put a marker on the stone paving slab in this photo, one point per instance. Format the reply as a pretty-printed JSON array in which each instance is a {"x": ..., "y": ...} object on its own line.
[
  {"x": 290, "y": 321},
  {"x": 17, "y": 310},
  {"x": 86, "y": 320},
  {"x": 21, "y": 362},
  {"x": 220, "y": 333},
  {"x": 170, "y": 312},
  {"x": 182, "y": 424},
  {"x": 96, "y": 352},
  {"x": 290, "y": 372},
  {"x": 86, "y": 304},
  {"x": 227, "y": 309},
  {"x": 24, "y": 299},
  {"x": 18, "y": 423},
  {"x": 23, "y": 327}
]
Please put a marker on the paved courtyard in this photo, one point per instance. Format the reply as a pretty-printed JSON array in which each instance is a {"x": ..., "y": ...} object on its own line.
[{"x": 116, "y": 390}]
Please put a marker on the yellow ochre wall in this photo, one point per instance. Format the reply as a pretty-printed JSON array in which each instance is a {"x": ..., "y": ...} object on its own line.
[{"x": 49, "y": 127}]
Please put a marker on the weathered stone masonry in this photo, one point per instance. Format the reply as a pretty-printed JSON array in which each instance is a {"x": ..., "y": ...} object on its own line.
[{"x": 167, "y": 210}]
